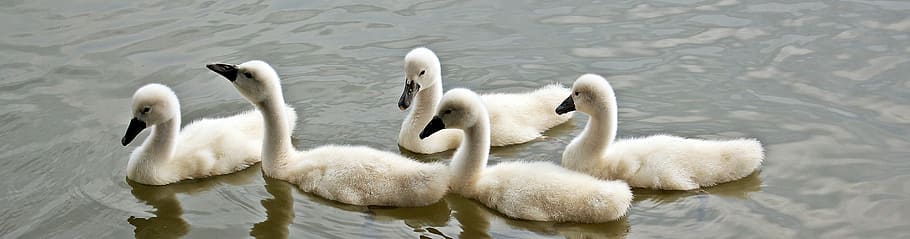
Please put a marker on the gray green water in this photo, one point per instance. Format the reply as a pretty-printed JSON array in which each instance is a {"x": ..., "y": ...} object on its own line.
[{"x": 823, "y": 84}]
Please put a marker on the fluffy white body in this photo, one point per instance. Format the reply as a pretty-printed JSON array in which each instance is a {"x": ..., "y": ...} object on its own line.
[
  {"x": 206, "y": 147},
  {"x": 355, "y": 175},
  {"x": 514, "y": 118},
  {"x": 657, "y": 162},
  {"x": 364, "y": 176},
  {"x": 539, "y": 191}
]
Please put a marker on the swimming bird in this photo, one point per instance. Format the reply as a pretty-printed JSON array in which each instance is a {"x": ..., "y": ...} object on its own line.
[
  {"x": 356, "y": 175},
  {"x": 515, "y": 118},
  {"x": 539, "y": 191},
  {"x": 206, "y": 147},
  {"x": 657, "y": 162}
]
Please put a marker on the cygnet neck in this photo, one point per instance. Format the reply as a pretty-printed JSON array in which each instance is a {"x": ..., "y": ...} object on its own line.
[
  {"x": 471, "y": 157},
  {"x": 276, "y": 143},
  {"x": 157, "y": 150},
  {"x": 599, "y": 132},
  {"x": 601, "y": 127}
]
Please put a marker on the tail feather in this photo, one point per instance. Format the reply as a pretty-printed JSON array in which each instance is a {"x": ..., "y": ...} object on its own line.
[{"x": 748, "y": 153}]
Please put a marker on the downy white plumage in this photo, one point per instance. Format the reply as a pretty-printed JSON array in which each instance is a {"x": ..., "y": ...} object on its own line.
[
  {"x": 355, "y": 175},
  {"x": 206, "y": 147},
  {"x": 657, "y": 162},
  {"x": 514, "y": 118},
  {"x": 539, "y": 191}
]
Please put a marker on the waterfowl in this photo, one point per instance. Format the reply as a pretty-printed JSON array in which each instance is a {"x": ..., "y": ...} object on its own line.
[
  {"x": 515, "y": 118},
  {"x": 355, "y": 175},
  {"x": 206, "y": 147},
  {"x": 657, "y": 162},
  {"x": 538, "y": 191}
]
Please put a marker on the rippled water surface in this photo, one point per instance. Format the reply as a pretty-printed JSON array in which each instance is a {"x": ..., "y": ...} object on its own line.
[{"x": 823, "y": 84}]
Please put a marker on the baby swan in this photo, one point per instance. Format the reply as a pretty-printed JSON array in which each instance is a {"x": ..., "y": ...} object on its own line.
[
  {"x": 207, "y": 147},
  {"x": 657, "y": 162},
  {"x": 514, "y": 118},
  {"x": 539, "y": 191},
  {"x": 355, "y": 175}
]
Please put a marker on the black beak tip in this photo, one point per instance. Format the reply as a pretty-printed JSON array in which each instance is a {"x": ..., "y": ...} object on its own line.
[
  {"x": 227, "y": 70},
  {"x": 567, "y": 106},
  {"x": 410, "y": 88},
  {"x": 132, "y": 130},
  {"x": 426, "y": 132},
  {"x": 434, "y": 126}
]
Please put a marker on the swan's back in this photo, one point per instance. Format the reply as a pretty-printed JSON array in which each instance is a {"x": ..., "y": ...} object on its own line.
[
  {"x": 542, "y": 191},
  {"x": 361, "y": 175},
  {"x": 670, "y": 162},
  {"x": 521, "y": 117}
]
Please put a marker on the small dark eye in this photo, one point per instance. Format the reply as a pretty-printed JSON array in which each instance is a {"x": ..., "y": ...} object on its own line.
[
  {"x": 576, "y": 93},
  {"x": 146, "y": 110},
  {"x": 423, "y": 72},
  {"x": 447, "y": 112},
  {"x": 248, "y": 75}
]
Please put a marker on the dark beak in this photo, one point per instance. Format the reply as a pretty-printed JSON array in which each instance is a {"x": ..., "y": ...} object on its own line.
[
  {"x": 410, "y": 89},
  {"x": 567, "y": 106},
  {"x": 434, "y": 126},
  {"x": 227, "y": 70},
  {"x": 135, "y": 127}
]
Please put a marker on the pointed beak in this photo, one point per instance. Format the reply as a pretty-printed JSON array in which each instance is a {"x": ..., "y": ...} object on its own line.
[
  {"x": 434, "y": 126},
  {"x": 567, "y": 106},
  {"x": 227, "y": 70},
  {"x": 135, "y": 127},
  {"x": 410, "y": 89}
]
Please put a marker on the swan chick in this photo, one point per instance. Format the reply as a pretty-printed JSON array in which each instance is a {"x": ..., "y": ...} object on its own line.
[
  {"x": 515, "y": 118},
  {"x": 356, "y": 175},
  {"x": 206, "y": 147},
  {"x": 538, "y": 191},
  {"x": 657, "y": 162}
]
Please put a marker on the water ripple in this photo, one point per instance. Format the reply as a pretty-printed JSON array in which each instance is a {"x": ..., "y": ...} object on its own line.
[{"x": 821, "y": 84}]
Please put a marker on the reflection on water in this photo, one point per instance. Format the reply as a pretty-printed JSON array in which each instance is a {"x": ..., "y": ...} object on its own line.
[
  {"x": 474, "y": 219},
  {"x": 168, "y": 221},
  {"x": 279, "y": 210},
  {"x": 737, "y": 189},
  {"x": 477, "y": 221},
  {"x": 822, "y": 84},
  {"x": 371, "y": 218},
  {"x": 433, "y": 215}
]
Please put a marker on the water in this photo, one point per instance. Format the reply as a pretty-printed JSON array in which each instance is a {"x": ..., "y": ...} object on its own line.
[{"x": 821, "y": 83}]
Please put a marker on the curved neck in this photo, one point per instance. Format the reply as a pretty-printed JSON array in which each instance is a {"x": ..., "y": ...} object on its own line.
[
  {"x": 159, "y": 147},
  {"x": 471, "y": 157},
  {"x": 598, "y": 134},
  {"x": 601, "y": 129},
  {"x": 276, "y": 143},
  {"x": 425, "y": 103}
]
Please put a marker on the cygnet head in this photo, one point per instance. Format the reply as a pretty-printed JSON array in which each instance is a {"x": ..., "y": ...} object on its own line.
[
  {"x": 591, "y": 94},
  {"x": 421, "y": 66},
  {"x": 152, "y": 104},
  {"x": 257, "y": 81},
  {"x": 459, "y": 109}
]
